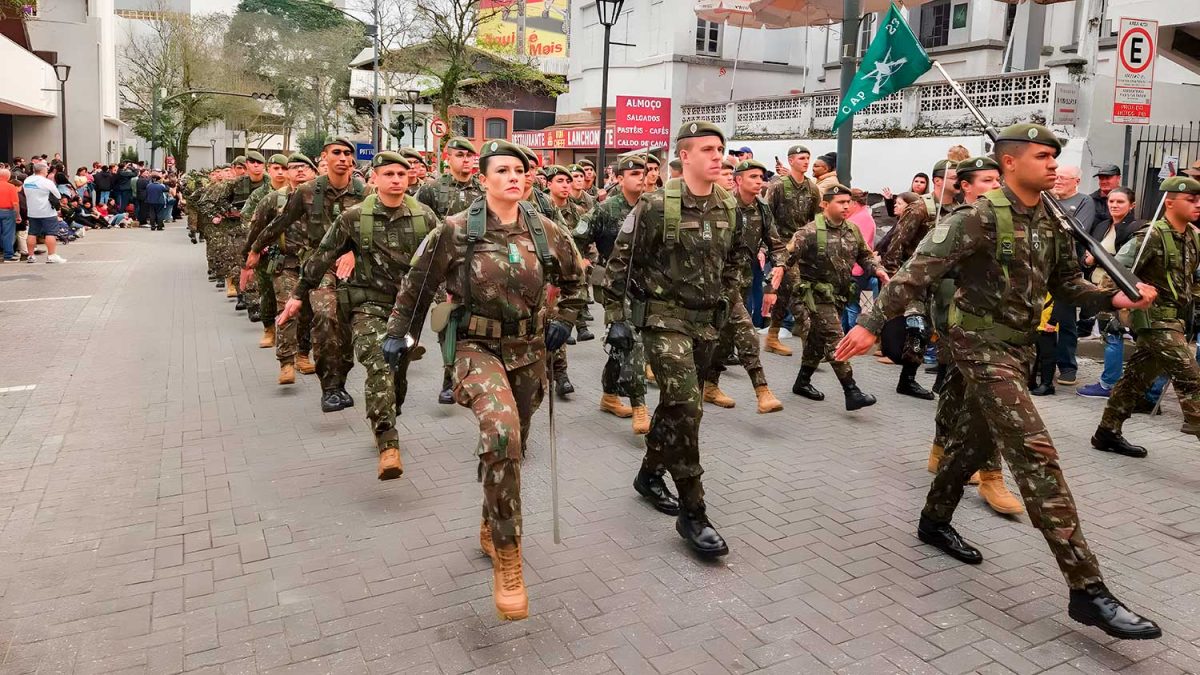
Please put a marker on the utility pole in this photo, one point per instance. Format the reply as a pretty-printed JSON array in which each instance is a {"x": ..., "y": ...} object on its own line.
[
  {"x": 154, "y": 106},
  {"x": 375, "y": 69},
  {"x": 849, "y": 63}
]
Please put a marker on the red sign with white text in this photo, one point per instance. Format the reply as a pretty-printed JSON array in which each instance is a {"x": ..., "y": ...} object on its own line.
[{"x": 643, "y": 121}]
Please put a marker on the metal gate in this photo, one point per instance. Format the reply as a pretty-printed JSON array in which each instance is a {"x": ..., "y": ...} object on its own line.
[{"x": 1152, "y": 145}]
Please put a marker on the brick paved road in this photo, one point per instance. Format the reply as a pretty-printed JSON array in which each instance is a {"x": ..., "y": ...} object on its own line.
[{"x": 165, "y": 507}]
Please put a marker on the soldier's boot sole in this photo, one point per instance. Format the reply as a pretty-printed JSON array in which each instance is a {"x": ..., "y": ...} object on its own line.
[
  {"x": 714, "y": 395},
  {"x": 390, "y": 465},
  {"x": 767, "y": 401},
  {"x": 773, "y": 345},
  {"x": 996, "y": 494},
  {"x": 641, "y": 420},
  {"x": 611, "y": 404}
]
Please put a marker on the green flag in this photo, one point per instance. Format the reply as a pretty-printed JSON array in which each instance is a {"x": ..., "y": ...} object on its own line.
[{"x": 893, "y": 61}]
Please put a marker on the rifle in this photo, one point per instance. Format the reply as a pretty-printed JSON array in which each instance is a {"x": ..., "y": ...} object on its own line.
[{"x": 1123, "y": 278}]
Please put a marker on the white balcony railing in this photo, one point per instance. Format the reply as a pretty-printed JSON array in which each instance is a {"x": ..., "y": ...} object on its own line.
[{"x": 924, "y": 109}]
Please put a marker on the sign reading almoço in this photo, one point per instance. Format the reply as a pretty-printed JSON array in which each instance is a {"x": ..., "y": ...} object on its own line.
[{"x": 643, "y": 121}]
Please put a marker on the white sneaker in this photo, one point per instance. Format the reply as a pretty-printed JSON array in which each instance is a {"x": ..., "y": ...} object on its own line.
[
  {"x": 56, "y": 258},
  {"x": 763, "y": 331},
  {"x": 785, "y": 334},
  {"x": 31, "y": 259}
]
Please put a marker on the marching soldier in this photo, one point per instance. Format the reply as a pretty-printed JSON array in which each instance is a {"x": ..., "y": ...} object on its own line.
[
  {"x": 755, "y": 230},
  {"x": 1007, "y": 252},
  {"x": 223, "y": 203},
  {"x": 599, "y": 227},
  {"x": 794, "y": 202},
  {"x": 589, "y": 179},
  {"x": 579, "y": 195},
  {"x": 566, "y": 216},
  {"x": 309, "y": 213},
  {"x": 676, "y": 262},
  {"x": 382, "y": 232},
  {"x": 496, "y": 260},
  {"x": 260, "y": 297},
  {"x": 825, "y": 251},
  {"x": 1169, "y": 254},
  {"x": 419, "y": 171}
]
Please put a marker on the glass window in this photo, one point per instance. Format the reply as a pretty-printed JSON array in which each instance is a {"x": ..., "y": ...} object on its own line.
[
  {"x": 866, "y": 29},
  {"x": 935, "y": 24},
  {"x": 497, "y": 127},
  {"x": 464, "y": 126},
  {"x": 708, "y": 38}
]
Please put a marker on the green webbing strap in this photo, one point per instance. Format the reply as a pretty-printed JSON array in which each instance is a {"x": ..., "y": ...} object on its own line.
[
  {"x": 822, "y": 235},
  {"x": 366, "y": 233},
  {"x": 318, "y": 203},
  {"x": 476, "y": 228},
  {"x": 534, "y": 224},
  {"x": 789, "y": 186},
  {"x": 443, "y": 197},
  {"x": 930, "y": 207},
  {"x": 1005, "y": 237},
  {"x": 672, "y": 209},
  {"x": 417, "y": 214}
]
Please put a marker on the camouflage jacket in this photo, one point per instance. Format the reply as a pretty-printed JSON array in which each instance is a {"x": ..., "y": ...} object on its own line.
[
  {"x": 601, "y": 224},
  {"x": 584, "y": 201},
  {"x": 684, "y": 286},
  {"x": 1174, "y": 279},
  {"x": 447, "y": 196},
  {"x": 253, "y": 200},
  {"x": 910, "y": 230},
  {"x": 381, "y": 264},
  {"x": 793, "y": 205},
  {"x": 755, "y": 232},
  {"x": 268, "y": 207},
  {"x": 227, "y": 199},
  {"x": 299, "y": 224},
  {"x": 828, "y": 271},
  {"x": 508, "y": 284},
  {"x": 192, "y": 184},
  {"x": 543, "y": 204},
  {"x": 567, "y": 216},
  {"x": 964, "y": 244}
]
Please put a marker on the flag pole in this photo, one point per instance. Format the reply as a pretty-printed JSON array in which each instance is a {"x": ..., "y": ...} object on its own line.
[{"x": 845, "y": 135}]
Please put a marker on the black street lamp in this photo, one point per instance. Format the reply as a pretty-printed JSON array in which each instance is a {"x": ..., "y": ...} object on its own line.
[
  {"x": 609, "y": 11},
  {"x": 61, "y": 72},
  {"x": 213, "y": 143}
]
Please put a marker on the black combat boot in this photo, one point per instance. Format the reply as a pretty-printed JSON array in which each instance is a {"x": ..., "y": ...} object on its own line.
[
  {"x": 803, "y": 385},
  {"x": 562, "y": 385},
  {"x": 331, "y": 401},
  {"x": 253, "y": 314},
  {"x": 908, "y": 385},
  {"x": 347, "y": 399},
  {"x": 855, "y": 398},
  {"x": 212, "y": 276},
  {"x": 192, "y": 236},
  {"x": 1096, "y": 606},
  {"x": 241, "y": 302},
  {"x": 693, "y": 525},
  {"x": 1043, "y": 389},
  {"x": 447, "y": 395},
  {"x": 586, "y": 315},
  {"x": 1113, "y": 441},
  {"x": 585, "y": 334},
  {"x": 944, "y": 537},
  {"x": 650, "y": 484}
]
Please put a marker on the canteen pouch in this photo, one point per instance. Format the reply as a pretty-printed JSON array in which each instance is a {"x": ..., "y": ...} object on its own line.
[
  {"x": 439, "y": 316},
  {"x": 596, "y": 275},
  {"x": 274, "y": 258}
]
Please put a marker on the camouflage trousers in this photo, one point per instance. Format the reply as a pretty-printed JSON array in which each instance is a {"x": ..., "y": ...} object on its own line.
[
  {"x": 633, "y": 363},
  {"x": 503, "y": 402},
  {"x": 225, "y": 250},
  {"x": 738, "y": 331},
  {"x": 292, "y": 337},
  {"x": 262, "y": 294},
  {"x": 333, "y": 349},
  {"x": 231, "y": 252},
  {"x": 558, "y": 361},
  {"x": 783, "y": 298},
  {"x": 384, "y": 389},
  {"x": 824, "y": 333},
  {"x": 1157, "y": 351},
  {"x": 212, "y": 244},
  {"x": 673, "y": 443},
  {"x": 991, "y": 382},
  {"x": 952, "y": 418}
]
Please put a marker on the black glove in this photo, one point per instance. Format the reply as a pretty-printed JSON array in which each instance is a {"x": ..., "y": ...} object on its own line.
[
  {"x": 557, "y": 333},
  {"x": 916, "y": 332},
  {"x": 394, "y": 349},
  {"x": 620, "y": 336}
]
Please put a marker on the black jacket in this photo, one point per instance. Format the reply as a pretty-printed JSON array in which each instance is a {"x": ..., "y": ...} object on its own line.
[
  {"x": 123, "y": 178},
  {"x": 103, "y": 180},
  {"x": 1125, "y": 229},
  {"x": 1101, "y": 203}
]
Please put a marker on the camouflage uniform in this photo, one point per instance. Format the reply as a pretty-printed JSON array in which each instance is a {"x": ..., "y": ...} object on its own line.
[
  {"x": 566, "y": 219},
  {"x": 264, "y": 303},
  {"x": 600, "y": 227},
  {"x": 392, "y": 235},
  {"x": 679, "y": 295},
  {"x": 302, "y": 227},
  {"x": 190, "y": 187},
  {"x": 755, "y": 229},
  {"x": 793, "y": 205},
  {"x": 278, "y": 283},
  {"x": 825, "y": 286},
  {"x": 447, "y": 196},
  {"x": 500, "y": 351},
  {"x": 1162, "y": 334},
  {"x": 227, "y": 199},
  {"x": 997, "y": 309},
  {"x": 910, "y": 230}
]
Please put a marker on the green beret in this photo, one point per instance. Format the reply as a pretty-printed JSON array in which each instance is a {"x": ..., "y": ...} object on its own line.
[
  {"x": 499, "y": 147},
  {"x": 631, "y": 162},
  {"x": 750, "y": 165},
  {"x": 413, "y": 154},
  {"x": 1031, "y": 133},
  {"x": 300, "y": 157},
  {"x": 940, "y": 166},
  {"x": 835, "y": 190},
  {"x": 385, "y": 158},
  {"x": 529, "y": 154},
  {"x": 651, "y": 158},
  {"x": 339, "y": 140},
  {"x": 460, "y": 143},
  {"x": 798, "y": 150},
  {"x": 280, "y": 159},
  {"x": 1181, "y": 184},
  {"x": 240, "y": 159},
  {"x": 676, "y": 164},
  {"x": 575, "y": 168},
  {"x": 981, "y": 163},
  {"x": 585, "y": 162},
  {"x": 255, "y": 156},
  {"x": 556, "y": 170},
  {"x": 698, "y": 129}
]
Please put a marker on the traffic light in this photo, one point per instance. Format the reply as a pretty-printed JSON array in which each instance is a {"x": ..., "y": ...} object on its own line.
[{"x": 396, "y": 128}]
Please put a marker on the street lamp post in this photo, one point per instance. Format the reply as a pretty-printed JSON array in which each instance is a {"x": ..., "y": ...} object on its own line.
[
  {"x": 61, "y": 72},
  {"x": 411, "y": 95},
  {"x": 609, "y": 11},
  {"x": 213, "y": 143}
]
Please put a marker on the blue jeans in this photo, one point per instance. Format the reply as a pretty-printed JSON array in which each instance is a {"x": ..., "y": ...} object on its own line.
[
  {"x": 1114, "y": 360},
  {"x": 124, "y": 198},
  {"x": 1068, "y": 337},
  {"x": 850, "y": 315},
  {"x": 8, "y": 231},
  {"x": 103, "y": 197},
  {"x": 789, "y": 321},
  {"x": 754, "y": 297},
  {"x": 166, "y": 211}
]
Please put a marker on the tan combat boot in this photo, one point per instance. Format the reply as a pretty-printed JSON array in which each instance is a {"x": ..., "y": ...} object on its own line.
[
  {"x": 650, "y": 375},
  {"x": 767, "y": 403},
  {"x": 390, "y": 465},
  {"x": 935, "y": 457},
  {"x": 268, "y": 337},
  {"x": 714, "y": 395},
  {"x": 611, "y": 404},
  {"x": 287, "y": 372},
  {"x": 772, "y": 343},
  {"x": 485, "y": 540},
  {"x": 508, "y": 583},
  {"x": 231, "y": 287},
  {"x": 995, "y": 492},
  {"x": 641, "y": 420},
  {"x": 305, "y": 364}
]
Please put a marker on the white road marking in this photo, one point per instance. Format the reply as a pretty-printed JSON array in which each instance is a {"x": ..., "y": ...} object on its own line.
[
  {"x": 59, "y": 297},
  {"x": 23, "y": 387}
]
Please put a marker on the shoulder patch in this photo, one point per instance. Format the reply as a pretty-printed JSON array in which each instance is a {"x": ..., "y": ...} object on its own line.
[
  {"x": 941, "y": 232},
  {"x": 627, "y": 224},
  {"x": 582, "y": 227},
  {"x": 423, "y": 245}
]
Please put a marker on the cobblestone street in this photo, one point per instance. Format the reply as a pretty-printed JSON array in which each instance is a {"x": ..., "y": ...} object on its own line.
[{"x": 166, "y": 507}]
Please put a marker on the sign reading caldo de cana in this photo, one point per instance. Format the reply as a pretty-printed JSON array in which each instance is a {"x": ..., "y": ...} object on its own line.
[{"x": 643, "y": 121}]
